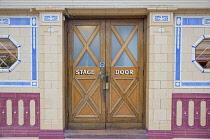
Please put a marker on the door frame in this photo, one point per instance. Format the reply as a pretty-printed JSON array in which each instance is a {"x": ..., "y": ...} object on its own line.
[{"x": 68, "y": 68}]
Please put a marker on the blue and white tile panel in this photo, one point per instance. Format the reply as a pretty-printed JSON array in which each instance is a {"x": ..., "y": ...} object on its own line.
[
  {"x": 18, "y": 21},
  {"x": 50, "y": 18},
  {"x": 195, "y": 21},
  {"x": 161, "y": 18},
  {"x": 182, "y": 22},
  {"x": 24, "y": 21}
]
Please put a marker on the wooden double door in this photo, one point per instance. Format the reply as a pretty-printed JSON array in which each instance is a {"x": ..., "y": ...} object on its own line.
[{"x": 105, "y": 74}]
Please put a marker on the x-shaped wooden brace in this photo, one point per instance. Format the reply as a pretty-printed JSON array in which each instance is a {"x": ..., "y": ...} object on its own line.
[
  {"x": 86, "y": 46},
  {"x": 124, "y": 94},
  {"x": 87, "y": 94},
  {"x": 124, "y": 46}
]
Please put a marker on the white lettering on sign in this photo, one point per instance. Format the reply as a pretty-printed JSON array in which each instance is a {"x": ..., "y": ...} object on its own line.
[
  {"x": 123, "y": 72},
  {"x": 84, "y": 72}
]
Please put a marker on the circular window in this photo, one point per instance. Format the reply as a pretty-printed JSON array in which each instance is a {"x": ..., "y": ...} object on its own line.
[{"x": 9, "y": 53}]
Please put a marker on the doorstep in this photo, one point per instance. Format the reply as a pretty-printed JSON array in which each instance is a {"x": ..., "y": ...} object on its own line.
[{"x": 132, "y": 134}]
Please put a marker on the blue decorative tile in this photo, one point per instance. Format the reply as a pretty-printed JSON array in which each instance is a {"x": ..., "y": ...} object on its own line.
[
  {"x": 4, "y": 21},
  {"x": 196, "y": 84},
  {"x": 34, "y": 83},
  {"x": 177, "y": 84},
  {"x": 33, "y": 21},
  {"x": 15, "y": 83},
  {"x": 206, "y": 21},
  {"x": 34, "y": 57},
  {"x": 178, "y": 21},
  {"x": 161, "y": 18},
  {"x": 20, "y": 21},
  {"x": 178, "y": 53},
  {"x": 50, "y": 18},
  {"x": 192, "y": 21}
]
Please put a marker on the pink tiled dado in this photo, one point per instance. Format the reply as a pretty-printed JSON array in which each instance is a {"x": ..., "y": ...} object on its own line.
[
  {"x": 185, "y": 130},
  {"x": 14, "y": 129}
]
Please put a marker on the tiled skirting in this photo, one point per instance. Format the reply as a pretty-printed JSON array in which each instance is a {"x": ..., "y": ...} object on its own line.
[
  {"x": 178, "y": 133},
  {"x": 191, "y": 133},
  {"x": 51, "y": 134},
  {"x": 159, "y": 134}
]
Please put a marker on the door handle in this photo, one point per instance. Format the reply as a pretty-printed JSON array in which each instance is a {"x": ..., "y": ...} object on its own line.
[
  {"x": 105, "y": 79},
  {"x": 102, "y": 74},
  {"x": 107, "y": 82}
]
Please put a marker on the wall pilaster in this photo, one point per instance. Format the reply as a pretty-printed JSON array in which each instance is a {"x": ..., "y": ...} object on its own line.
[
  {"x": 160, "y": 42},
  {"x": 51, "y": 70}
]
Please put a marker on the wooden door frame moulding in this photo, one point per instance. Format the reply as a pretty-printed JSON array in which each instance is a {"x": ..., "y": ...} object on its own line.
[
  {"x": 96, "y": 17},
  {"x": 66, "y": 72},
  {"x": 68, "y": 67},
  {"x": 144, "y": 70}
]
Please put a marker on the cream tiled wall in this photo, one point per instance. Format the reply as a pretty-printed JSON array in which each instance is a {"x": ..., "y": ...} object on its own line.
[
  {"x": 189, "y": 70},
  {"x": 50, "y": 67},
  {"x": 22, "y": 71},
  {"x": 160, "y": 67},
  {"x": 161, "y": 64},
  {"x": 160, "y": 51},
  {"x": 51, "y": 71}
]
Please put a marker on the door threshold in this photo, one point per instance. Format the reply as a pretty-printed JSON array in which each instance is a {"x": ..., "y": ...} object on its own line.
[{"x": 132, "y": 134}]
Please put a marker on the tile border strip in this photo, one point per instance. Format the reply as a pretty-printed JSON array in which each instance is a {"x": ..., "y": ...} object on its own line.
[
  {"x": 180, "y": 23},
  {"x": 23, "y": 21},
  {"x": 180, "y": 133}
]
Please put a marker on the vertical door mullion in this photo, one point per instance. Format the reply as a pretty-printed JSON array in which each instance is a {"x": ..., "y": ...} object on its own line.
[{"x": 108, "y": 65}]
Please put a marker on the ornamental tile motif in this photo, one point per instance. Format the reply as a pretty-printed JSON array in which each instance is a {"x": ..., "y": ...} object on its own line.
[
  {"x": 50, "y": 18},
  {"x": 4, "y": 21},
  {"x": 206, "y": 21},
  {"x": 161, "y": 18}
]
